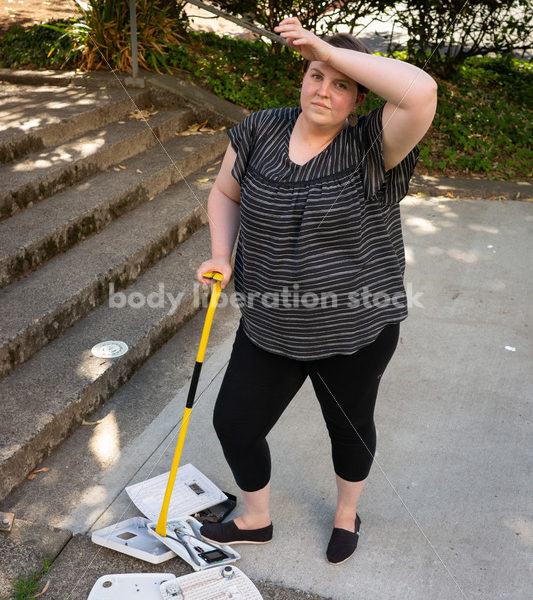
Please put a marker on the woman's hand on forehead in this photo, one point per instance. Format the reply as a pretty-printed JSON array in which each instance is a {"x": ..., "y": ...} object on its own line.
[{"x": 309, "y": 45}]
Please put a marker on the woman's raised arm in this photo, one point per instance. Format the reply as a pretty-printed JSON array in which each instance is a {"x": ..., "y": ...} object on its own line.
[{"x": 411, "y": 93}]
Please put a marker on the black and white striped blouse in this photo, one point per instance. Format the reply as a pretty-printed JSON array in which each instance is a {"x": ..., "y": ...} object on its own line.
[{"x": 320, "y": 258}]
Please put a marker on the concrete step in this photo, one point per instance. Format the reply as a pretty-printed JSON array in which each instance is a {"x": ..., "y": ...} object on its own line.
[
  {"x": 39, "y": 308},
  {"x": 48, "y": 228},
  {"x": 36, "y": 117},
  {"x": 64, "y": 382},
  {"x": 38, "y": 176},
  {"x": 109, "y": 454}
]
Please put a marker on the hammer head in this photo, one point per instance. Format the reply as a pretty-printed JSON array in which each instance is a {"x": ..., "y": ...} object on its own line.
[{"x": 213, "y": 275}]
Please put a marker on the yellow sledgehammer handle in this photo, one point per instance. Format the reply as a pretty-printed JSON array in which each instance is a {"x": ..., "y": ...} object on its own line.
[{"x": 161, "y": 527}]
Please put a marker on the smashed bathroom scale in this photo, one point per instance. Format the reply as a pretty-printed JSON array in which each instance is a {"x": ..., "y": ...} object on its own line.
[
  {"x": 193, "y": 492},
  {"x": 217, "y": 583},
  {"x": 131, "y": 537},
  {"x": 184, "y": 538},
  {"x": 213, "y": 584},
  {"x": 145, "y": 586}
]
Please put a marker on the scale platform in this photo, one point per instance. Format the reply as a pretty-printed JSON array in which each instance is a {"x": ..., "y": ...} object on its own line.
[
  {"x": 218, "y": 583},
  {"x": 131, "y": 537},
  {"x": 132, "y": 585}
]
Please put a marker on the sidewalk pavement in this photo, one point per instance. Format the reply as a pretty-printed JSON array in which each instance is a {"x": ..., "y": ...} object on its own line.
[{"x": 447, "y": 510}]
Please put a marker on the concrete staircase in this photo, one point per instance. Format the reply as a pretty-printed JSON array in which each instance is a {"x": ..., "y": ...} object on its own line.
[{"x": 102, "y": 227}]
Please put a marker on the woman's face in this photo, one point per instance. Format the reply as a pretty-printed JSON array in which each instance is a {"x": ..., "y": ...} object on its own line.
[{"x": 328, "y": 96}]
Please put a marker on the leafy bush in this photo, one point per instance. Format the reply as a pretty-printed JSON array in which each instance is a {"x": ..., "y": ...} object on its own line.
[
  {"x": 239, "y": 70},
  {"x": 441, "y": 33},
  {"x": 101, "y": 35},
  {"x": 320, "y": 16},
  {"x": 484, "y": 120},
  {"x": 444, "y": 33},
  {"x": 31, "y": 47}
]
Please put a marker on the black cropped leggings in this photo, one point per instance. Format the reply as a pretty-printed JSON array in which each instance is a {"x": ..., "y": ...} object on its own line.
[{"x": 258, "y": 386}]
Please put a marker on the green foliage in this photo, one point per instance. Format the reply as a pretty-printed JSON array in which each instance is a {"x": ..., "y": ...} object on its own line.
[
  {"x": 321, "y": 16},
  {"x": 31, "y": 47},
  {"x": 483, "y": 122},
  {"x": 102, "y": 34},
  {"x": 26, "y": 587},
  {"x": 442, "y": 34},
  {"x": 98, "y": 38},
  {"x": 240, "y": 71}
]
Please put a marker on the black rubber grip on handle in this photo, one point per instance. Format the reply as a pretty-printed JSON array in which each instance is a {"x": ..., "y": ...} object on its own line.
[{"x": 194, "y": 384}]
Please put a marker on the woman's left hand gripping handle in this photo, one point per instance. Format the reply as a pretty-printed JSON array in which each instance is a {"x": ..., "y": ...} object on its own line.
[{"x": 214, "y": 269}]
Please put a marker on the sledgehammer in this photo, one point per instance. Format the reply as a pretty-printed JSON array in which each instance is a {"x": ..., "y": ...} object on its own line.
[{"x": 161, "y": 527}]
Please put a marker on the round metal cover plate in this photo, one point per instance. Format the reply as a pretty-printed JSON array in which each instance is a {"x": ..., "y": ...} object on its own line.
[{"x": 110, "y": 349}]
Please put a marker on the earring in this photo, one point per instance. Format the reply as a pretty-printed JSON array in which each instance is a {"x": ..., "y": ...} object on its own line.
[{"x": 352, "y": 117}]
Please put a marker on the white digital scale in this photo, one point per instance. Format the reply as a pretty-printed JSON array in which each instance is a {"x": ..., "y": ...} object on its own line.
[
  {"x": 217, "y": 583},
  {"x": 184, "y": 538}
]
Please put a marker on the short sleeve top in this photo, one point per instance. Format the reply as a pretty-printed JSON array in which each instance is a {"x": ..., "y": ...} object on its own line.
[{"x": 320, "y": 258}]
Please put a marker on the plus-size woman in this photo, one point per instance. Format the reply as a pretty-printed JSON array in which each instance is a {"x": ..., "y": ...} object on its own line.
[{"x": 319, "y": 266}]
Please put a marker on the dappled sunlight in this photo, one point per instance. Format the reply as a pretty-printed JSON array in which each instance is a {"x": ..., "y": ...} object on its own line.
[
  {"x": 483, "y": 228},
  {"x": 465, "y": 256},
  {"x": 69, "y": 154},
  {"x": 421, "y": 225},
  {"x": 105, "y": 441},
  {"x": 94, "y": 495},
  {"x": 89, "y": 146},
  {"x": 29, "y": 124},
  {"x": 57, "y": 105},
  {"x": 450, "y": 215},
  {"x": 91, "y": 367},
  {"x": 449, "y": 229},
  {"x": 25, "y": 109},
  {"x": 409, "y": 255}
]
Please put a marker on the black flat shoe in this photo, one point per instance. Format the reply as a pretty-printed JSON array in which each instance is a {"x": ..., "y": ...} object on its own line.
[
  {"x": 343, "y": 543},
  {"x": 228, "y": 534}
]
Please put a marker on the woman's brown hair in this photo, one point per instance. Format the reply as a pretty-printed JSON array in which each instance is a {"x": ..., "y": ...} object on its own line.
[{"x": 345, "y": 40}]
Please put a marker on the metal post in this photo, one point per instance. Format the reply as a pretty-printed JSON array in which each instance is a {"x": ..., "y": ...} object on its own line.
[{"x": 134, "y": 79}]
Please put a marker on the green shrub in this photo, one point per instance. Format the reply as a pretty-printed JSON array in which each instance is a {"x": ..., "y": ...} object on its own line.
[
  {"x": 483, "y": 121},
  {"x": 321, "y": 16},
  {"x": 101, "y": 34},
  {"x": 239, "y": 70},
  {"x": 30, "y": 47},
  {"x": 442, "y": 34}
]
